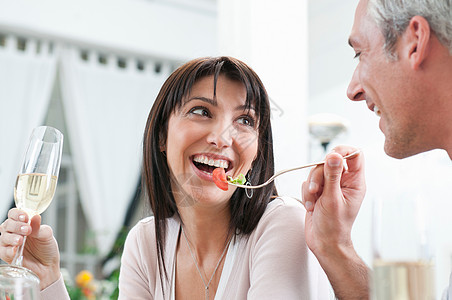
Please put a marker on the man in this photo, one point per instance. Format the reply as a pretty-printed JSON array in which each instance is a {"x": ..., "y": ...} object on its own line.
[{"x": 405, "y": 76}]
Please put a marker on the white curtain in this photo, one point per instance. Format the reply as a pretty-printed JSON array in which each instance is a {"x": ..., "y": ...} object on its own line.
[
  {"x": 27, "y": 74},
  {"x": 106, "y": 101}
]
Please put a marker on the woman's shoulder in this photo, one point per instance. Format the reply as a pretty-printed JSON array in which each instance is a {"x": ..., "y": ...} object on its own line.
[
  {"x": 145, "y": 223},
  {"x": 284, "y": 205},
  {"x": 280, "y": 229},
  {"x": 138, "y": 249},
  {"x": 145, "y": 228},
  {"x": 282, "y": 212}
]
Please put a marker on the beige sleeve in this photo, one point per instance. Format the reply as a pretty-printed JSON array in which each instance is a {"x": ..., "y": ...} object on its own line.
[
  {"x": 55, "y": 291},
  {"x": 137, "y": 277}
]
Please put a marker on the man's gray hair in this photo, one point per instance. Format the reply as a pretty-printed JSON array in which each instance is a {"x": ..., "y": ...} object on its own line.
[{"x": 393, "y": 17}]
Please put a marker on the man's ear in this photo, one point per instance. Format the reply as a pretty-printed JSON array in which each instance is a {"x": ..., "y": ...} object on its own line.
[{"x": 417, "y": 36}]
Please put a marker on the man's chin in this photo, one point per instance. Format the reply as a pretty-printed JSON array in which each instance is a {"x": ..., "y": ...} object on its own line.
[{"x": 399, "y": 151}]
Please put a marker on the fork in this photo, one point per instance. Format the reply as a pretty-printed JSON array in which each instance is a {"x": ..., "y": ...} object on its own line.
[{"x": 349, "y": 156}]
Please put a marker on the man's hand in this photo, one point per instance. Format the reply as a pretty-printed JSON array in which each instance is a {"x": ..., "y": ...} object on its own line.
[{"x": 332, "y": 196}]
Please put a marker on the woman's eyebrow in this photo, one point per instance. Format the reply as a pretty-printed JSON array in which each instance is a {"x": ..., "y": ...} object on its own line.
[
  {"x": 245, "y": 107},
  {"x": 204, "y": 99},
  {"x": 215, "y": 103}
]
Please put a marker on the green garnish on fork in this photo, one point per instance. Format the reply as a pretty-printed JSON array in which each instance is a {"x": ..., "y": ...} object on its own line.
[{"x": 238, "y": 180}]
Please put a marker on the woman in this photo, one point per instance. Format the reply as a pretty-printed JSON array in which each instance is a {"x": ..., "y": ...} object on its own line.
[{"x": 202, "y": 242}]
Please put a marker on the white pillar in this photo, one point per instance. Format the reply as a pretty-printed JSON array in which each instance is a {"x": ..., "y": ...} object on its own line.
[{"x": 271, "y": 36}]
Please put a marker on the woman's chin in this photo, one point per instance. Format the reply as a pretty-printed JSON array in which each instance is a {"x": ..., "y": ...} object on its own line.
[{"x": 206, "y": 194}]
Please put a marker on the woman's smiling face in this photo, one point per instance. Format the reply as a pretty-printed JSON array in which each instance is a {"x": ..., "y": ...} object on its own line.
[{"x": 207, "y": 132}]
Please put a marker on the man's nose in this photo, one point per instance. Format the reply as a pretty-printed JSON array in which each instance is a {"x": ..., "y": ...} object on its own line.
[{"x": 355, "y": 91}]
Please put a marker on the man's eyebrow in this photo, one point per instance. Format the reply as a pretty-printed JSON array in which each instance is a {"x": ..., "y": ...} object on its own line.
[{"x": 204, "y": 99}]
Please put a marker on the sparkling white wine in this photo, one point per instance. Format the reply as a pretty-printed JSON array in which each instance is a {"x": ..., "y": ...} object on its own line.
[
  {"x": 402, "y": 280},
  {"x": 34, "y": 192}
]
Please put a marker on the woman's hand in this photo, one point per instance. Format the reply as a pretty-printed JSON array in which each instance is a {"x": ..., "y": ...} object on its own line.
[{"x": 40, "y": 254}]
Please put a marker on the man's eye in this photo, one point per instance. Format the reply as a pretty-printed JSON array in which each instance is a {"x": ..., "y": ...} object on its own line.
[{"x": 202, "y": 111}]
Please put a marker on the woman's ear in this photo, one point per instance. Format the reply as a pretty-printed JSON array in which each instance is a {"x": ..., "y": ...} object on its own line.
[
  {"x": 162, "y": 143},
  {"x": 417, "y": 36}
]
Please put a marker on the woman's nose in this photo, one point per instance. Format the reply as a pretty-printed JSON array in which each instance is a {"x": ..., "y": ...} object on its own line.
[{"x": 221, "y": 135}]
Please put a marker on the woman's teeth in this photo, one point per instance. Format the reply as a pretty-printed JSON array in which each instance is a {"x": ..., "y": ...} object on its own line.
[
  {"x": 377, "y": 111},
  {"x": 218, "y": 163}
]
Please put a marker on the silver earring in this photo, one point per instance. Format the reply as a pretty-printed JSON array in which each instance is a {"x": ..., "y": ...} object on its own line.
[{"x": 249, "y": 192}]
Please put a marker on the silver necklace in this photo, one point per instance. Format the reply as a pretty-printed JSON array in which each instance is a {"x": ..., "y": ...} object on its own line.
[{"x": 206, "y": 286}]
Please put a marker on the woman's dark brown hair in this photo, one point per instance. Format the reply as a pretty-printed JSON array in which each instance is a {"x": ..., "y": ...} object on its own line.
[{"x": 245, "y": 213}]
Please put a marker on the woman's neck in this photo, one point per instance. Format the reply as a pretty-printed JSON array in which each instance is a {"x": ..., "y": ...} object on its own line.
[{"x": 207, "y": 229}]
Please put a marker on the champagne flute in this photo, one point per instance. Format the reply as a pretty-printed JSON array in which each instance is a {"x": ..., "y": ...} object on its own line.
[
  {"x": 36, "y": 184},
  {"x": 403, "y": 260}
]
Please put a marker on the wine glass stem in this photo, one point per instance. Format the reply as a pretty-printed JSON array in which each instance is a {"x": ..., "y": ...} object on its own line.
[{"x": 19, "y": 256}]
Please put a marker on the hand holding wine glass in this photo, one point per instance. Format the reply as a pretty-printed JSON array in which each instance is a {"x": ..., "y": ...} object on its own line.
[
  {"x": 37, "y": 179},
  {"x": 34, "y": 190}
]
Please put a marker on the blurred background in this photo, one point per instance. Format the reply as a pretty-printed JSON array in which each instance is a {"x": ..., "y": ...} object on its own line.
[{"x": 93, "y": 68}]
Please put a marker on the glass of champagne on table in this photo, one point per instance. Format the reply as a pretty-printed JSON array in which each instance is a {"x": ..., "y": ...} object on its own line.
[
  {"x": 35, "y": 188},
  {"x": 403, "y": 260}
]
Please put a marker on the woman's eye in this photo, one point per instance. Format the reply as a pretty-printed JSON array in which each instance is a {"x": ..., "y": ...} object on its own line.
[
  {"x": 200, "y": 111},
  {"x": 246, "y": 120}
]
